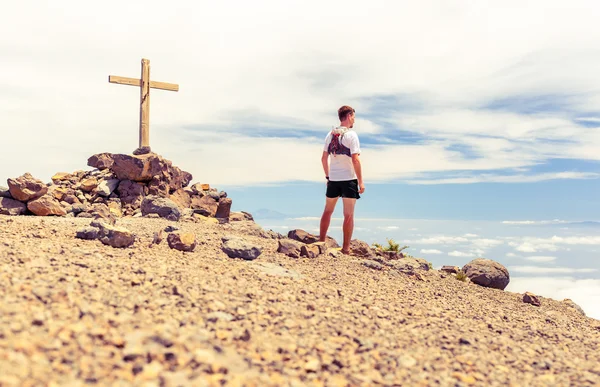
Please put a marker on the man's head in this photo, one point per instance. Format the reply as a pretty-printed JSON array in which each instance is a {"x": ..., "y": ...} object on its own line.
[{"x": 346, "y": 116}]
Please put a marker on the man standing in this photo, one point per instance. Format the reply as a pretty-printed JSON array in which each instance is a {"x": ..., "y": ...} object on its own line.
[{"x": 341, "y": 164}]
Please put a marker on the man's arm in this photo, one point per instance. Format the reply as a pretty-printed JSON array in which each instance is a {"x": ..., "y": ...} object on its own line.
[
  {"x": 324, "y": 161},
  {"x": 358, "y": 171}
]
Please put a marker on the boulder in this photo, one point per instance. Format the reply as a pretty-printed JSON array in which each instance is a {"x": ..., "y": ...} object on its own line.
[
  {"x": 88, "y": 184},
  {"x": 531, "y": 298},
  {"x": 204, "y": 205},
  {"x": 200, "y": 189},
  {"x": 46, "y": 205},
  {"x": 12, "y": 207},
  {"x": 62, "y": 177},
  {"x": 101, "y": 211},
  {"x": 143, "y": 150},
  {"x": 487, "y": 273},
  {"x": 361, "y": 249},
  {"x": 101, "y": 161},
  {"x": 240, "y": 248},
  {"x": 114, "y": 236},
  {"x": 163, "y": 207},
  {"x": 88, "y": 233},
  {"x": 313, "y": 250},
  {"x": 150, "y": 168},
  {"x": 302, "y": 236},
  {"x": 26, "y": 187},
  {"x": 223, "y": 208},
  {"x": 289, "y": 247},
  {"x": 450, "y": 269},
  {"x": 107, "y": 187},
  {"x": 59, "y": 192},
  {"x": 182, "y": 241},
  {"x": 181, "y": 198},
  {"x": 308, "y": 238}
]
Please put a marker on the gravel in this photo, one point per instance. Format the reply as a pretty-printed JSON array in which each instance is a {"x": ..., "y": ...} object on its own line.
[{"x": 78, "y": 312}]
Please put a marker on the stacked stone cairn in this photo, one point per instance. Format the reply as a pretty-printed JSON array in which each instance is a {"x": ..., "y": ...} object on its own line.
[{"x": 118, "y": 185}]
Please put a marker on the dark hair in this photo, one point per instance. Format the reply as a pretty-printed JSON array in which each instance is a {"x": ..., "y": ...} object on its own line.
[{"x": 344, "y": 111}]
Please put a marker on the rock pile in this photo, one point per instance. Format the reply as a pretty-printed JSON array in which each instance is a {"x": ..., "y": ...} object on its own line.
[{"x": 119, "y": 185}]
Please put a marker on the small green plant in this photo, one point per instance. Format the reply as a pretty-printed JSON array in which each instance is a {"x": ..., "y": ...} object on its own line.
[
  {"x": 377, "y": 246},
  {"x": 430, "y": 265},
  {"x": 391, "y": 246},
  {"x": 461, "y": 276}
]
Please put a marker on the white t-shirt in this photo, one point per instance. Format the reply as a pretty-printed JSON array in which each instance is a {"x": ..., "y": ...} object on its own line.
[{"x": 340, "y": 166}]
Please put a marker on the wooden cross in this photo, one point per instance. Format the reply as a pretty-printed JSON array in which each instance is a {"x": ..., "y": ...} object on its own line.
[{"x": 145, "y": 84}]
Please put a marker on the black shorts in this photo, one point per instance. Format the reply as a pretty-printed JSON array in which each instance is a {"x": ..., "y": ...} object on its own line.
[{"x": 345, "y": 189}]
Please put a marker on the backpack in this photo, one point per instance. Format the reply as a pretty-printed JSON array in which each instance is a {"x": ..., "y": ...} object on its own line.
[{"x": 336, "y": 147}]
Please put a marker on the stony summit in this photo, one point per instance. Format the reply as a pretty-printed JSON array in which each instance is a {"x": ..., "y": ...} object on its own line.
[{"x": 129, "y": 274}]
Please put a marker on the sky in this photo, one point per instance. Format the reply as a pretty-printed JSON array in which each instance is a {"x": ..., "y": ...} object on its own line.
[{"x": 466, "y": 111}]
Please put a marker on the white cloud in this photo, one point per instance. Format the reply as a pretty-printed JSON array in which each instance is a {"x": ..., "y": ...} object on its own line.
[
  {"x": 430, "y": 251},
  {"x": 549, "y": 270},
  {"x": 534, "y": 222},
  {"x": 540, "y": 258},
  {"x": 491, "y": 178},
  {"x": 511, "y": 255},
  {"x": 584, "y": 292},
  {"x": 388, "y": 228},
  {"x": 471, "y": 235},
  {"x": 460, "y": 254},
  {"x": 533, "y": 244},
  {"x": 309, "y": 218},
  {"x": 444, "y": 240},
  {"x": 485, "y": 243}
]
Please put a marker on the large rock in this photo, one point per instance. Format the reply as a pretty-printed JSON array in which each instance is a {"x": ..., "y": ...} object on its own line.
[
  {"x": 302, "y": 236},
  {"x": 205, "y": 205},
  {"x": 163, "y": 207},
  {"x": 106, "y": 187},
  {"x": 114, "y": 236},
  {"x": 313, "y": 250},
  {"x": 240, "y": 248},
  {"x": 362, "y": 249},
  {"x": 12, "y": 207},
  {"x": 223, "y": 208},
  {"x": 46, "y": 205},
  {"x": 182, "y": 241},
  {"x": 101, "y": 161},
  {"x": 182, "y": 198},
  {"x": 150, "y": 168},
  {"x": 487, "y": 273},
  {"x": 289, "y": 247},
  {"x": 530, "y": 298},
  {"x": 306, "y": 237},
  {"x": 26, "y": 187}
]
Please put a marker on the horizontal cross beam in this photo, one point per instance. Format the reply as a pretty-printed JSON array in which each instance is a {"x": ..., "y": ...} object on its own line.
[{"x": 138, "y": 82}]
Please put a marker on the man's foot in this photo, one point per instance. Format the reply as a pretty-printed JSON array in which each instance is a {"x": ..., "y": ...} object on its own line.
[{"x": 347, "y": 252}]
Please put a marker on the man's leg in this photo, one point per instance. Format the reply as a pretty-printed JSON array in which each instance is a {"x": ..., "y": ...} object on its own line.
[
  {"x": 348, "y": 226},
  {"x": 326, "y": 218}
]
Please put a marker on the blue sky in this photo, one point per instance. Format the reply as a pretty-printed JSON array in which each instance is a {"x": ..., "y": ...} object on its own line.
[{"x": 466, "y": 111}]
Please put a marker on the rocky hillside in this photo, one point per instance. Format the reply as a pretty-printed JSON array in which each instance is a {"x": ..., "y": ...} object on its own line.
[{"x": 139, "y": 279}]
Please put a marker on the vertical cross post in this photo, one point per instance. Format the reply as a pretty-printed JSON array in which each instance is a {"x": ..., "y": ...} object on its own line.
[{"x": 145, "y": 104}]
